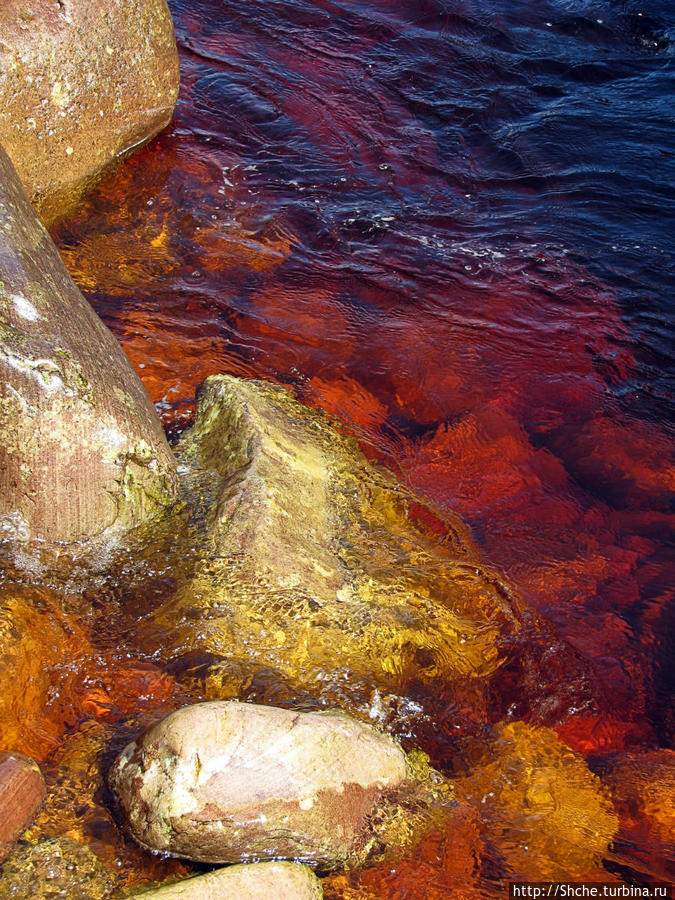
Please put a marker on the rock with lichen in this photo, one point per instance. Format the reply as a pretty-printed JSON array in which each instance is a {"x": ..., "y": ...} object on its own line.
[
  {"x": 272, "y": 880},
  {"x": 81, "y": 83},
  {"x": 81, "y": 448},
  {"x": 231, "y": 782}
]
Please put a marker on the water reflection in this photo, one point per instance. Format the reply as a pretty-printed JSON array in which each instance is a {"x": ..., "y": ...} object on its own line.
[{"x": 402, "y": 210}]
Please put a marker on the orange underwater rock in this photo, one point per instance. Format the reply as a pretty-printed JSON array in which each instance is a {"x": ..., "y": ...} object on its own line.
[
  {"x": 348, "y": 401},
  {"x": 485, "y": 461},
  {"x": 299, "y": 327},
  {"x": 643, "y": 789},
  {"x": 446, "y": 863},
  {"x": 46, "y": 662},
  {"x": 52, "y": 677},
  {"x": 628, "y": 460},
  {"x": 544, "y": 813}
]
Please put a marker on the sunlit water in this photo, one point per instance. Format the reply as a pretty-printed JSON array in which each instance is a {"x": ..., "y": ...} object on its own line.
[{"x": 450, "y": 225}]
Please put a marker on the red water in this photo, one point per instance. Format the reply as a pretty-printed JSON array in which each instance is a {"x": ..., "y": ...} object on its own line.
[{"x": 363, "y": 201}]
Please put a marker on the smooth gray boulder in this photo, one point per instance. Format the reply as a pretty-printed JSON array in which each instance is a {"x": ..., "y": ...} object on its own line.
[{"x": 233, "y": 782}]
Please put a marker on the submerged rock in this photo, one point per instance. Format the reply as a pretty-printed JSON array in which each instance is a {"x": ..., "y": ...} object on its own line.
[
  {"x": 77, "y": 806},
  {"x": 548, "y": 817},
  {"x": 43, "y": 657},
  {"x": 81, "y": 83},
  {"x": 22, "y": 791},
  {"x": 231, "y": 782},
  {"x": 313, "y": 565},
  {"x": 268, "y": 880},
  {"x": 643, "y": 789},
  {"x": 58, "y": 867},
  {"x": 81, "y": 448}
]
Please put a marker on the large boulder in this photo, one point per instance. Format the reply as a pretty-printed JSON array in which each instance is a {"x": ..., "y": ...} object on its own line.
[
  {"x": 81, "y": 83},
  {"x": 231, "y": 782},
  {"x": 268, "y": 880},
  {"x": 313, "y": 564},
  {"x": 81, "y": 448}
]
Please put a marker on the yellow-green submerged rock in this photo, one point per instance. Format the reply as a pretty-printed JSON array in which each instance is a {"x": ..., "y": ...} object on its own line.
[{"x": 312, "y": 563}]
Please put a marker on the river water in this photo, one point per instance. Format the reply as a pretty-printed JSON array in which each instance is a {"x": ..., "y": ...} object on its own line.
[{"x": 450, "y": 225}]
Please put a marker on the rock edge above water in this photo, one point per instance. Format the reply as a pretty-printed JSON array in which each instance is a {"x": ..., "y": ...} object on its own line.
[
  {"x": 81, "y": 83},
  {"x": 233, "y": 782},
  {"x": 81, "y": 447},
  {"x": 269, "y": 880}
]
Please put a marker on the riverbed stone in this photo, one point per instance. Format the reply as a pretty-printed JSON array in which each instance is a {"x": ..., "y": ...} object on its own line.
[
  {"x": 313, "y": 562},
  {"x": 269, "y": 880},
  {"x": 55, "y": 867},
  {"x": 42, "y": 654},
  {"x": 548, "y": 817},
  {"x": 231, "y": 782},
  {"x": 22, "y": 791},
  {"x": 82, "y": 82},
  {"x": 81, "y": 448}
]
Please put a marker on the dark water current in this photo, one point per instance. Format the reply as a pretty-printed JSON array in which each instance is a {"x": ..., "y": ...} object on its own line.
[{"x": 452, "y": 226}]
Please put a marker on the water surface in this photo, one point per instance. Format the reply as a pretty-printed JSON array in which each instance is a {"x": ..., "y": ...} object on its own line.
[{"x": 450, "y": 225}]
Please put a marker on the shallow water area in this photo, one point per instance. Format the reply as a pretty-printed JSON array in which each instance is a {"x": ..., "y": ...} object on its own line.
[{"x": 448, "y": 225}]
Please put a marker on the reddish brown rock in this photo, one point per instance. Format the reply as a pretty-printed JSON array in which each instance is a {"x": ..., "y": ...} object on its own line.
[
  {"x": 81, "y": 448},
  {"x": 22, "y": 790},
  {"x": 81, "y": 83}
]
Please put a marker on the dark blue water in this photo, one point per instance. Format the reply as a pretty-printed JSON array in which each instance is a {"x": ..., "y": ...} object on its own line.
[{"x": 448, "y": 133}]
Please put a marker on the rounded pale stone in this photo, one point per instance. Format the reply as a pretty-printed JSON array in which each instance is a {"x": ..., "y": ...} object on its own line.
[
  {"x": 268, "y": 880},
  {"x": 232, "y": 782}
]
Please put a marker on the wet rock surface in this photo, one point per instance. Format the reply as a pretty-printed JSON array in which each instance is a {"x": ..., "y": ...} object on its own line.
[
  {"x": 81, "y": 449},
  {"x": 271, "y": 880},
  {"x": 312, "y": 562},
  {"x": 22, "y": 791},
  {"x": 81, "y": 83},
  {"x": 231, "y": 782}
]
